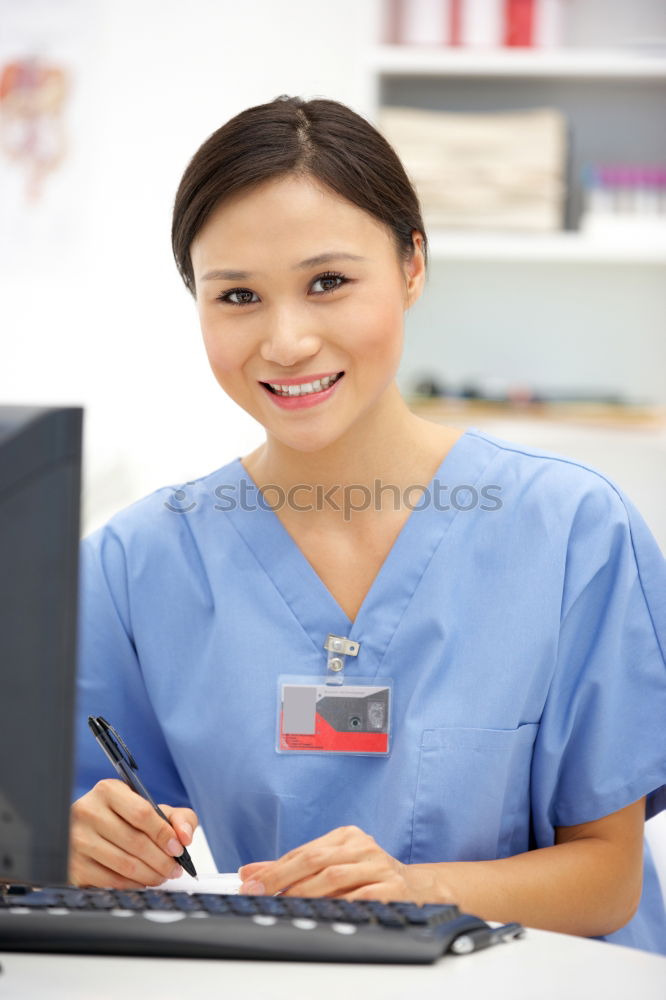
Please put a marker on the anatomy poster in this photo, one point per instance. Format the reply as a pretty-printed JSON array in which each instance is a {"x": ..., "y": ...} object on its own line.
[{"x": 46, "y": 87}]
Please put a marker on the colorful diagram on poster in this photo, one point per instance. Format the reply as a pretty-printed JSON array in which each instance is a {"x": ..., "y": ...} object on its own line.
[{"x": 33, "y": 97}]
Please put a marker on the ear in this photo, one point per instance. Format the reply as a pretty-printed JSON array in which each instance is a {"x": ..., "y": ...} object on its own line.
[{"x": 414, "y": 271}]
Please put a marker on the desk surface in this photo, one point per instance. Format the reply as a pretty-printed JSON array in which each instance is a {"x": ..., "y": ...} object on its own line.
[{"x": 540, "y": 966}]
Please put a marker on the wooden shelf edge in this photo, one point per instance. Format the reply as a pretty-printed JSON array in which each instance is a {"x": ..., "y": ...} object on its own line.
[{"x": 597, "y": 414}]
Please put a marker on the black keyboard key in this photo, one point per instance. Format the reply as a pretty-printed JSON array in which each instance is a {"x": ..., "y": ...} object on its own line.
[
  {"x": 444, "y": 915},
  {"x": 242, "y": 904},
  {"x": 299, "y": 907},
  {"x": 130, "y": 900},
  {"x": 378, "y": 909},
  {"x": 440, "y": 911},
  {"x": 74, "y": 898},
  {"x": 328, "y": 910},
  {"x": 100, "y": 901},
  {"x": 391, "y": 919},
  {"x": 184, "y": 902},
  {"x": 157, "y": 900},
  {"x": 353, "y": 913},
  {"x": 270, "y": 906},
  {"x": 212, "y": 903},
  {"x": 38, "y": 899},
  {"x": 414, "y": 914}
]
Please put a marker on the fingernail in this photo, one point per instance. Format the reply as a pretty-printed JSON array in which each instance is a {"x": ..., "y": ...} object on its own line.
[
  {"x": 176, "y": 872},
  {"x": 187, "y": 829},
  {"x": 175, "y": 847},
  {"x": 253, "y": 888}
]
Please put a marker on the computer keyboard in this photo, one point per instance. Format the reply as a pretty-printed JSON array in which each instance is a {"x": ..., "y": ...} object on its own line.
[{"x": 201, "y": 925}]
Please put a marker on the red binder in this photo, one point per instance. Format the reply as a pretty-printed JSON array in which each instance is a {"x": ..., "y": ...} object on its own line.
[{"x": 519, "y": 22}]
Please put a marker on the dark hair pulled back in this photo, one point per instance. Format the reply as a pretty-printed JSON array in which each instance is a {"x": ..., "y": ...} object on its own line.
[{"x": 320, "y": 138}]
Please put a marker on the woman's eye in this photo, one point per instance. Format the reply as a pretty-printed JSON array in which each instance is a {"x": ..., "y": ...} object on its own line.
[
  {"x": 331, "y": 278},
  {"x": 226, "y": 296}
]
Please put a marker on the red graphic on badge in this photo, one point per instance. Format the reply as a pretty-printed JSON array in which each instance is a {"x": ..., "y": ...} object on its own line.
[{"x": 346, "y": 719}]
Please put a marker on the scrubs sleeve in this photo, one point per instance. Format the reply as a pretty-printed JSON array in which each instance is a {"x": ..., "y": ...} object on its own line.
[
  {"x": 602, "y": 738},
  {"x": 109, "y": 678}
]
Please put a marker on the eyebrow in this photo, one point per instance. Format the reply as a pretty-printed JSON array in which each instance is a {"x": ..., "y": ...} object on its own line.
[{"x": 321, "y": 258}]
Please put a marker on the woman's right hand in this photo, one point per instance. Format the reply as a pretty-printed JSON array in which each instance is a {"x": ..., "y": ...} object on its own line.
[{"x": 117, "y": 840}]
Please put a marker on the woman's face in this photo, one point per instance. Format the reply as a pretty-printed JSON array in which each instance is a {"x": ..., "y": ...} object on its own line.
[{"x": 272, "y": 313}]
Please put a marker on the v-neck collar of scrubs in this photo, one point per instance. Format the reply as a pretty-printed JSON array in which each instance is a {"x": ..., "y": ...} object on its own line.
[{"x": 398, "y": 577}]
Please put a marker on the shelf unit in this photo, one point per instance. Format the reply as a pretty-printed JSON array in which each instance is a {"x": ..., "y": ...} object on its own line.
[
  {"x": 591, "y": 315},
  {"x": 631, "y": 244}
]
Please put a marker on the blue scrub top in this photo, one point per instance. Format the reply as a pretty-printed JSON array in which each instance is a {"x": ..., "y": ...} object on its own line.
[{"x": 523, "y": 628}]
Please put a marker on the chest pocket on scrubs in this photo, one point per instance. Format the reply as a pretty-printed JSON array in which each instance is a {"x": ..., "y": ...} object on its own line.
[{"x": 473, "y": 794}]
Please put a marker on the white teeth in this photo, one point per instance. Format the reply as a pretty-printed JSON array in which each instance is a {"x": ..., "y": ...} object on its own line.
[{"x": 305, "y": 388}]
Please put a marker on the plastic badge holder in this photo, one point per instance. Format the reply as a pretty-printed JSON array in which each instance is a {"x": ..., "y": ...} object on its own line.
[
  {"x": 333, "y": 714},
  {"x": 350, "y": 718}
]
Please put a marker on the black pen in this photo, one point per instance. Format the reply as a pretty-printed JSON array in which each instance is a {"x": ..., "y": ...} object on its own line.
[
  {"x": 119, "y": 754},
  {"x": 483, "y": 937}
]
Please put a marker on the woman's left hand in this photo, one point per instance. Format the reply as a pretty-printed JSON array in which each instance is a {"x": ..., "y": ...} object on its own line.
[{"x": 347, "y": 862}]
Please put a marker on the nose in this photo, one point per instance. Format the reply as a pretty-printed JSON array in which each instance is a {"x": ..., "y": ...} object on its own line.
[{"x": 289, "y": 340}]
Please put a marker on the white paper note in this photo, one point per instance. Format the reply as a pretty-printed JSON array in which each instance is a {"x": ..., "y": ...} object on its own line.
[{"x": 227, "y": 883}]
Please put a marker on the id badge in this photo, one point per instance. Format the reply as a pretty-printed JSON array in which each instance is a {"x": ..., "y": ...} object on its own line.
[{"x": 314, "y": 716}]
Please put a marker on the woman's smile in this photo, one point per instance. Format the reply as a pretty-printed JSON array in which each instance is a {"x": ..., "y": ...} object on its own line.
[{"x": 294, "y": 394}]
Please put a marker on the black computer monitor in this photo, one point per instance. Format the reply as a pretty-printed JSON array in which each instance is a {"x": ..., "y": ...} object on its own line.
[{"x": 40, "y": 490}]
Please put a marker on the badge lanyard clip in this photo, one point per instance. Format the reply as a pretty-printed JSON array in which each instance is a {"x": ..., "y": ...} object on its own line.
[{"x": 338, "y": 647}]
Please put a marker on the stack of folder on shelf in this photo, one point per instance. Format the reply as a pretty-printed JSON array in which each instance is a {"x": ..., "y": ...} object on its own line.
[{"x": 484, "y": 171}]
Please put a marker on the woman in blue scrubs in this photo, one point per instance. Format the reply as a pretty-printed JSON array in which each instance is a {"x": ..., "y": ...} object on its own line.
[{"x": 511, "y": 600}]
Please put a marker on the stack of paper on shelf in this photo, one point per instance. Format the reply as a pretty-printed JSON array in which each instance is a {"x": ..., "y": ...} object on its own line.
[{"x": 498, "y": 170}]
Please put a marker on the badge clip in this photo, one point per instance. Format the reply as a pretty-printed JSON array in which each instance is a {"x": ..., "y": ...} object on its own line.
[{"x": 338, "y": 647}]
